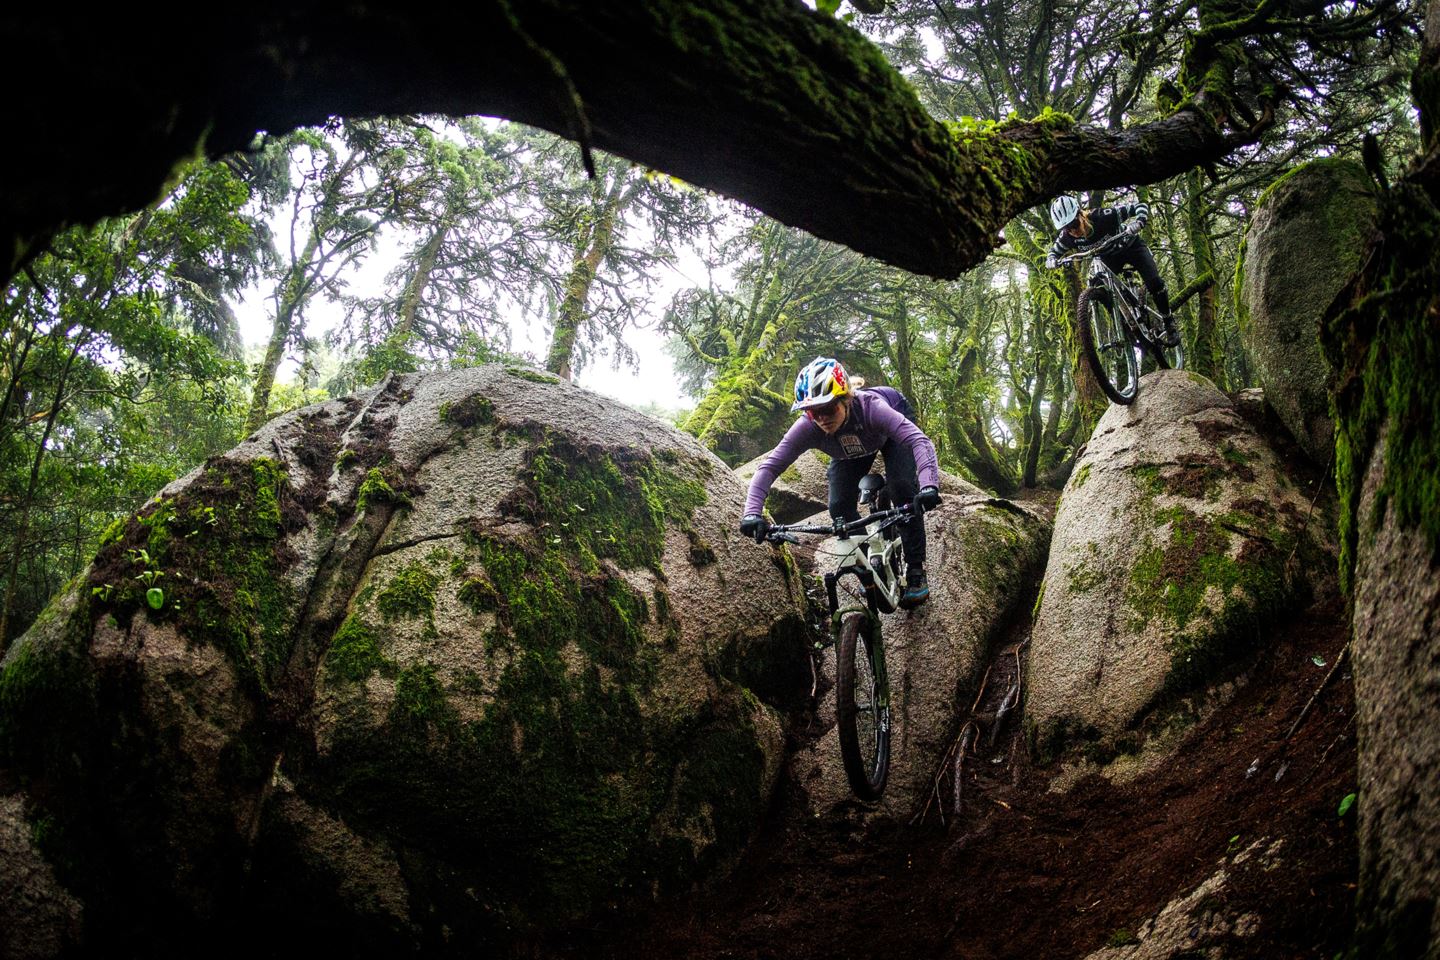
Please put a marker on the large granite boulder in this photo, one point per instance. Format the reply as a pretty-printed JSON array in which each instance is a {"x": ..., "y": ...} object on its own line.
[
  {"x": 1304, "y": 242},
  {"x": 1179, "y": 534},
  {"x": 984, "y": 556},
  {"x": 455, "y": 662}
]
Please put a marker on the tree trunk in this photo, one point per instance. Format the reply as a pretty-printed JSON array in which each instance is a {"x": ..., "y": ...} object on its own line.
[
  {"x": 741, "y": 389},
  {"x": 419, "y": 280},
  {"x": 1035, "y": 424},
  {"x": 292, "y": 295},
  {"x": 1205, "y": 349},
  {"x": 590, "y": 250}
]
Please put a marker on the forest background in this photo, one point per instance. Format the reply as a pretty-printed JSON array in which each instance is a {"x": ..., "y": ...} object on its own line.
[{"x": 404, "y": 244}]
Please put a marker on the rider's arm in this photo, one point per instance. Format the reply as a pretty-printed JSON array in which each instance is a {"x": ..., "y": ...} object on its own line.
[
  {"x": 802, "y": 436},
  {"x": 927, "y": 465},
  {"x": 1133, "y": 211}
]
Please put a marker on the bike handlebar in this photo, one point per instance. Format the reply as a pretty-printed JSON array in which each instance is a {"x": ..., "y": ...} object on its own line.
[
  {"x": 779, "y": 533},
  {"x": 1094, "y": 251}
]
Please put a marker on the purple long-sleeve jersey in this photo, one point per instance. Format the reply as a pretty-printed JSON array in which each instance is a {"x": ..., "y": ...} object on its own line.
[{"x": 872, "y": 421}]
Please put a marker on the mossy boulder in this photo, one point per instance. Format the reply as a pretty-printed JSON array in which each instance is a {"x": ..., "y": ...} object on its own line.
[
  {"x": 457, "y": 662},
  {"x": 804, "y": 487},
  {"x": 1179, "y": 536},
  {"x": 1305, "y": 240},
  {"x": 1397, "y": 667},
  {"x": 983, "y": 558}
]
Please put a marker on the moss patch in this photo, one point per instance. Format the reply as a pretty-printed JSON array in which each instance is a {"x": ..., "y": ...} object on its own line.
[
  {"x": 1171, "y": 583},
  {"x": 410, "y": 593},
  {"x": 469, "y": 412},
  {"x": 534, "y": 376},
  {"x": 376, "y": 489},
  {"x": 599, "y": 504},
  {"x": 354, "y": 652},
  {"x": 570, "y": 790},
  {"x": 1383, "y": 348},
  {"x": 218, "y": 551}
]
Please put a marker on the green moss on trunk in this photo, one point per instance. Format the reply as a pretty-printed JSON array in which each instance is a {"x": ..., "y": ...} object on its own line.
[{"x": 1384, "y": 348}]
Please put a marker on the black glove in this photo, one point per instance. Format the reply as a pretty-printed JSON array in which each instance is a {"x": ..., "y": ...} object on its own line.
[
  {"x": 753, "y": 525},
  {"x": 927, "y": 499}
]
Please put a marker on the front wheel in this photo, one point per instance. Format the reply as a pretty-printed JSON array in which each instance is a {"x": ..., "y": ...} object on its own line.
[
  {"x": 1107, "y": 347},
  {"x": 862, "y": 704}
]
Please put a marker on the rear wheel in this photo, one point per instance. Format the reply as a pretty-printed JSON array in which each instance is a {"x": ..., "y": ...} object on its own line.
[
  {"x": 862, "y": 705},
  {"x": 1107, "y": 347},
  {"x": 1166, "y": 358}
]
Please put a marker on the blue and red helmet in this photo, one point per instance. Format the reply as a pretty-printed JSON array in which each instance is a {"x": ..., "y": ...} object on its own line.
[{"x": 820, "y": 382}]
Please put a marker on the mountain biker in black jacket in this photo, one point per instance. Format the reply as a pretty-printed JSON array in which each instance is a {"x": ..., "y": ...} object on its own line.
[{"x": 1081, "y": 229}]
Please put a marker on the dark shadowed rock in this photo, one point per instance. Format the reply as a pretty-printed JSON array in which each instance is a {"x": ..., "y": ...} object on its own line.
[
  {"x": 1305, "y": 240},
  {"x": 457, "y": 661},
  {"x": 39, "y": 918},
  {"x": 1170, "y": 552}
]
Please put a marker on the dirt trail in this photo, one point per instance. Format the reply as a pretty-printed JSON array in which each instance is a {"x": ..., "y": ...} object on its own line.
[{"x": 1028, "y": 874}]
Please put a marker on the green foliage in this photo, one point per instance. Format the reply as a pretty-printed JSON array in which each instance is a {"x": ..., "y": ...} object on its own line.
[{"x": 118, "y": 377}]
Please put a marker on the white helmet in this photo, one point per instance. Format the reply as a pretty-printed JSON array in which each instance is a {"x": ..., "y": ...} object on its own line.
[
  {"x": 1063, "y": 210},
  {"x": 820, "y": 382}
]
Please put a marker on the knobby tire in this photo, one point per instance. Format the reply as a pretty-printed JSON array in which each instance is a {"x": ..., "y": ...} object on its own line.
[
  {"x": 862, "y": 705},
  {"x": 1092, "y": 313}
]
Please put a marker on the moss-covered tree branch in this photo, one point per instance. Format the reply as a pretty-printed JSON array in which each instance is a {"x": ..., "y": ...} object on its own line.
[{"x": 771, "y": 103}]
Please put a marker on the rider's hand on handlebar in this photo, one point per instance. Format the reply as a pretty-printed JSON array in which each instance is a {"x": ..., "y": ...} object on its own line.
[
  {"x": 754, "y": 526},
  {"x": 1133, "y": 226},
  {"x": 927, "y": 499},
  {"x": 1051, "y": 263}
]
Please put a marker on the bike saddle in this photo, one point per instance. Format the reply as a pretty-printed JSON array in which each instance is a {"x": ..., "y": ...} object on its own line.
[{"x": 870, "y": 485}]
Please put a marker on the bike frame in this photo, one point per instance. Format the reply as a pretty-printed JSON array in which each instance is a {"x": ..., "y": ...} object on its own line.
[
  {"x": 1128, "y": 302},
  {"x": 869, "y": 559}
]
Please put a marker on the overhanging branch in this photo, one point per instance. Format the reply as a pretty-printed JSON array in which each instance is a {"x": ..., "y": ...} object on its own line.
[{"x": 765, "y": 101}]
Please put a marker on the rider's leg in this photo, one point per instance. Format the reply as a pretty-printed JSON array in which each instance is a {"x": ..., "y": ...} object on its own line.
[
  {"x": 845, "y": 486},
  {"x": 901, "y": 480},
  {"x": 1144, "y": 261}
]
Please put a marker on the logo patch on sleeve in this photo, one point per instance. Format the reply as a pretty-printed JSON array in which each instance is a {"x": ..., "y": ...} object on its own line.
[{"x": 852, "y": 446}]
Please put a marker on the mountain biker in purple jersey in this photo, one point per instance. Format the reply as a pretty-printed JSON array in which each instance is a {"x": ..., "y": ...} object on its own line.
[
  {"x": 852, "y": 425},
  {"x": 1082, "y": 229}
]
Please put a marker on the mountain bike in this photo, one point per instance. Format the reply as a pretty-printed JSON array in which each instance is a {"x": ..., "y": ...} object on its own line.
[
  {"x": 1118, "y": 326},
  {"x": 862, "y": 688}
]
